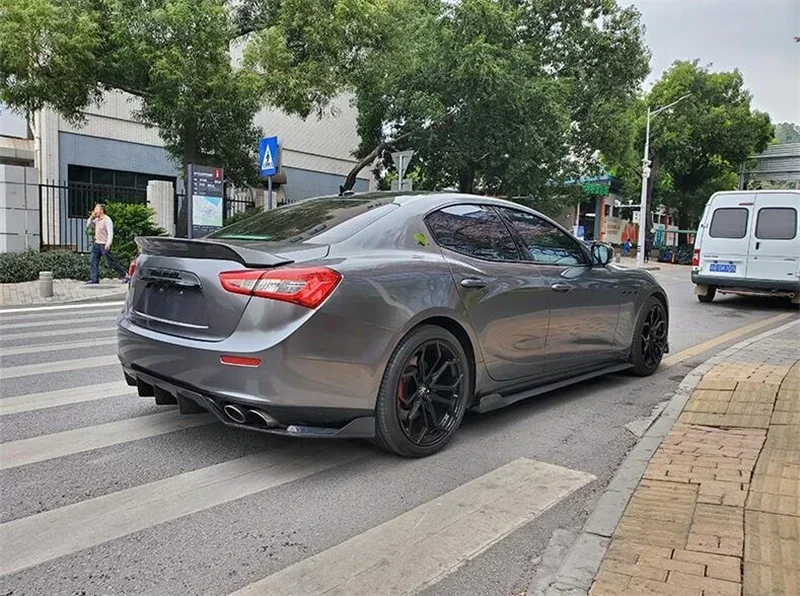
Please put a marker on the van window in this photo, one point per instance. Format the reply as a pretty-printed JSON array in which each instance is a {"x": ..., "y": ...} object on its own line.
[
  {"x": 729, "y": 223},
  {"x": 776, "y": 223}
]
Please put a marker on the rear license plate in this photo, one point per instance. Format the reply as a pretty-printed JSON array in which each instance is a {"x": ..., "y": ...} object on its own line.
[
  {"x": 723, "y": 268},
  {"x": 173, "y": 303}
]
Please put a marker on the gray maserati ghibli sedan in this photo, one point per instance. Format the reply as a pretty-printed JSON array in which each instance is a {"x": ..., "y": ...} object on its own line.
[{"x": 384, "y": 316}]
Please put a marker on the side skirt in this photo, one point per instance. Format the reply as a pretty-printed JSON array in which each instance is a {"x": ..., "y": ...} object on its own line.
[{"x": 495, "y": 401}]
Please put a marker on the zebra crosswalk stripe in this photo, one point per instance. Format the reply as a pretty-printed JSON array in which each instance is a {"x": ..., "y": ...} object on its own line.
[{"x": 449, "y": 530}]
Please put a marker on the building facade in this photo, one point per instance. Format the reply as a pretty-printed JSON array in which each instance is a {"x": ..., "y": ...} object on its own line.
[{"x": 112, "y": 155}]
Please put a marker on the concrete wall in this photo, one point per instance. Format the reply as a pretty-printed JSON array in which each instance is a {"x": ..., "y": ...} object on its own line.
[{"x": 19, "y": 209}]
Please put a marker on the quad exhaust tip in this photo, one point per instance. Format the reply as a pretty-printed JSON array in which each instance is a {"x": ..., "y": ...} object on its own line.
[
  {"x": 263, "y": 418},
  {"x": 234, "y": 413}
]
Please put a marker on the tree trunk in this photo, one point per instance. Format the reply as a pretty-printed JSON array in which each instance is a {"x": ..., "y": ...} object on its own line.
[
  {"x": 684, "y": 222},
  {"x": 350, "y": 181},
  {"x": 466, "y": 178}
]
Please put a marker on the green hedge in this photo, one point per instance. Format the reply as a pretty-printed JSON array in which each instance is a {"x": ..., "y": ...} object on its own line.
[
  {"x": 17, "y": 267},
  {"x": 130, "y": 221}
]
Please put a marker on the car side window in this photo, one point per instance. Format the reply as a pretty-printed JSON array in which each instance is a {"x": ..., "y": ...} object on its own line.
[
  {"x": 545, "y": 243},
  {"x": 776, "y": 223},
  {"x": 474, "y": 230}
]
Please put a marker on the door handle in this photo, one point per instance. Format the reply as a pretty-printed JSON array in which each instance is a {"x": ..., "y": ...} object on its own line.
[
  {"x": 561, "y": 287},
  {"x": 758, "y": 245},
  {"x": 473, "y": 283}
]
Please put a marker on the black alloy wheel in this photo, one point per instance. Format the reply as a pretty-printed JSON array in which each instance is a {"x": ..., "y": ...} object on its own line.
[
  {"x": 426, "y": 389},
  {"x": 429, "y": 393},
  {"x": 650, "y": 338},
  {"x": 654, "y": 336}
]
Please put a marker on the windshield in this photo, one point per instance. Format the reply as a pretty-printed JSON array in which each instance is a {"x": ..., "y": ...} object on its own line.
[{"x": 302, "y": 221}]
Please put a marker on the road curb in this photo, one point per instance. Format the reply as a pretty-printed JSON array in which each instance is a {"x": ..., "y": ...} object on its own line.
[{"x": 577, "y": 571}]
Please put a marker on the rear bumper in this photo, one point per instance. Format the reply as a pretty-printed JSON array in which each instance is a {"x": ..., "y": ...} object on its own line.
[
  {"x": 765, "y": 286},
  {"x": 316, "y": 381},
  {"x": 338, "y": 423}
]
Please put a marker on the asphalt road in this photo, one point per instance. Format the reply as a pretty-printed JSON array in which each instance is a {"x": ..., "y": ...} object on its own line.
[{"x": 102, "y": 492}]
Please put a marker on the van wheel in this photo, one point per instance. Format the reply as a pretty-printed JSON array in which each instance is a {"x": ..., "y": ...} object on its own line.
[{"x": 710, "y": 293}]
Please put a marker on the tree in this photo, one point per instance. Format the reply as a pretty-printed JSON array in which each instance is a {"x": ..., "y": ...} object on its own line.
[
  {"x": 696, "y": 148},
  {"x": 787, "y": 132},
  {"x": 502, "y": 97},
  {"x": 200, "y": 69}
]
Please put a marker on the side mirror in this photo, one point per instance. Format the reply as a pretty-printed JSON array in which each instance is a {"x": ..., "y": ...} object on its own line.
[{"x": 602, "y": 254}]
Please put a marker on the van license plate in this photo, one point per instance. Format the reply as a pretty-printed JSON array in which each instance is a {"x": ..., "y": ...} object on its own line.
[{"x": 723, "y": 268}]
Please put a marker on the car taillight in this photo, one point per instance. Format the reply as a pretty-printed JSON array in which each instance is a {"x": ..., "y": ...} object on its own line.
[
  {"x": 308, "y": 287},
  {"x": 132, "y": 269},
  {"x": 696, "y": 258}
]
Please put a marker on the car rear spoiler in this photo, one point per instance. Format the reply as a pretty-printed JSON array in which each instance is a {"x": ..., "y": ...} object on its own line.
[{"x": 207, "y": 249}]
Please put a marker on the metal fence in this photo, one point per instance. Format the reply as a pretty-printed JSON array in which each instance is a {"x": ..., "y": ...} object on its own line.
[{"x": 64, "y": 208}]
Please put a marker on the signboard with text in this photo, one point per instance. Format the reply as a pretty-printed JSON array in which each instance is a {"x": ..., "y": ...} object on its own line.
[{"x": 206, "y": 204}]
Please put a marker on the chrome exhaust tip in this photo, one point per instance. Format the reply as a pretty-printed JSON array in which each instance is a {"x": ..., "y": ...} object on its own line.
[
  {"x": 234, "y": 413},
  {"x": 263, "y": 418}
]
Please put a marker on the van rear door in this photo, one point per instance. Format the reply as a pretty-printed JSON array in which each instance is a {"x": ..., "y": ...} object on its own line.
[
  {"x": 726, "y": 239},
  {"x": 775, "y": 242}
]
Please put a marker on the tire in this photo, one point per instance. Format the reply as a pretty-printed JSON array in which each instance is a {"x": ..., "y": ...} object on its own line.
[
  {"x": 646, "y": 356},
  {"x": 410, "y": 399},
  {"x": 709, "y": 297}
]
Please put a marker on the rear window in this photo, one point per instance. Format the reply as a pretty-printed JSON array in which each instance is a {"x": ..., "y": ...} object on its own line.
[
  {"x": 306, "y": 220},
  {"x": 729, "y": 223},
  {"x": 776, "y": 223}
]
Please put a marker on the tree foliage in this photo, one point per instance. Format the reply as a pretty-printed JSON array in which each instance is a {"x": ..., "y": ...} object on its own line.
[
  {"x": 500, "y": 96},
  {"x": 787, "y": 132},
  {"x": 698, "y": 146},
  {"x": 200, "y": 69}
]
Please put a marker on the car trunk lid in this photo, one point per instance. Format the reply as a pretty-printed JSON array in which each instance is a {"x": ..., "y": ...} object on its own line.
[{"x": 176, "y": 288}]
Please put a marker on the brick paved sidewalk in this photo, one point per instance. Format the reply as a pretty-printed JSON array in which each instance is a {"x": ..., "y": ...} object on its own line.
[
  {"x": 718, "y": 508},
  {"x": 64, "y": 290}
]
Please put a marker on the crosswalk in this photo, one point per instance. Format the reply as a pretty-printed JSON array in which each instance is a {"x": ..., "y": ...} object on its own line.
[{"x": 247, "y": 514}]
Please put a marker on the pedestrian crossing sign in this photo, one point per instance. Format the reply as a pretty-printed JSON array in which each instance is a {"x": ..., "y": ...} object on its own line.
[{"x": 268, "y": 156}]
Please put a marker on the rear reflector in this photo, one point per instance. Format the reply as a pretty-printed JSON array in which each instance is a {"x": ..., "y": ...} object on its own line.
[
  {"x": 696, "y": 258},
  {"x": 308, "y": 286},
  {"x": 240, "y": 361}
]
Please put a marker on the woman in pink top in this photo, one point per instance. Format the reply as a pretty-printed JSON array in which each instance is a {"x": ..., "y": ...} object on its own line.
[{"x": 103, "y": 237}]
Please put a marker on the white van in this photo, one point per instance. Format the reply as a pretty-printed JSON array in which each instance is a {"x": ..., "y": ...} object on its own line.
[{"x": 748, "y": 243}]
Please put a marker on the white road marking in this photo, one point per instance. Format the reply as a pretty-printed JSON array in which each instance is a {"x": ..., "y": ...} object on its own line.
[
  {"x": 26, "y": 370},
  {"x": 404, "y": 555},
  {"x": 41, "y": 348},
  {"x": 57, "y": 332},
  {"x": 51, "y": 323},
  {"x": 54, "y": 316},
  {"x": 45, "y": 536},
  {"x": 28, "y": 451},
  {"x": 95, "y": 305},
  {"x": 62, "y": 397}
]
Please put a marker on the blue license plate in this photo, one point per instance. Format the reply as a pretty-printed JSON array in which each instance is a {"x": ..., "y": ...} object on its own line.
[{"x": 723, "y": 268}]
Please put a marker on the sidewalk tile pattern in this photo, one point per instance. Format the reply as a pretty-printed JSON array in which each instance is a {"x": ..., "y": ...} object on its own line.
[{"x": 718, "y": 509}]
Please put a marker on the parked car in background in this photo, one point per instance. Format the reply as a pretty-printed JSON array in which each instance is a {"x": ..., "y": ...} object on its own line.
[
  {"x": 748, "y": 243},
  {"x": 383, "y": 316}
]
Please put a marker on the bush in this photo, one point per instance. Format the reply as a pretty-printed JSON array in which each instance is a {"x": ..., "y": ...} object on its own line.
[
  {"x": 17, "y": 267},
  {"x": 130, "y": 220}
]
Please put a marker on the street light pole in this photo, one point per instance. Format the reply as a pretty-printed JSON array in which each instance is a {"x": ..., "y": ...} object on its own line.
[
  {"x": 643, "y": 201},
  {"x": 643, "y": 206}
]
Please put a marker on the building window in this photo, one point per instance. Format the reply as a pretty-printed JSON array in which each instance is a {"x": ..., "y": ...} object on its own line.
[{"x": 89, "y": 186}]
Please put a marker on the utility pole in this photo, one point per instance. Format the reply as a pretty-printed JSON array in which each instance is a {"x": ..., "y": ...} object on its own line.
[{"x": 645, "y": 176}]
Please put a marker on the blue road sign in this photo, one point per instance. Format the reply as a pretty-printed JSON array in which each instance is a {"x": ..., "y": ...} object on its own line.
[{"x": 268, "y": 156}]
